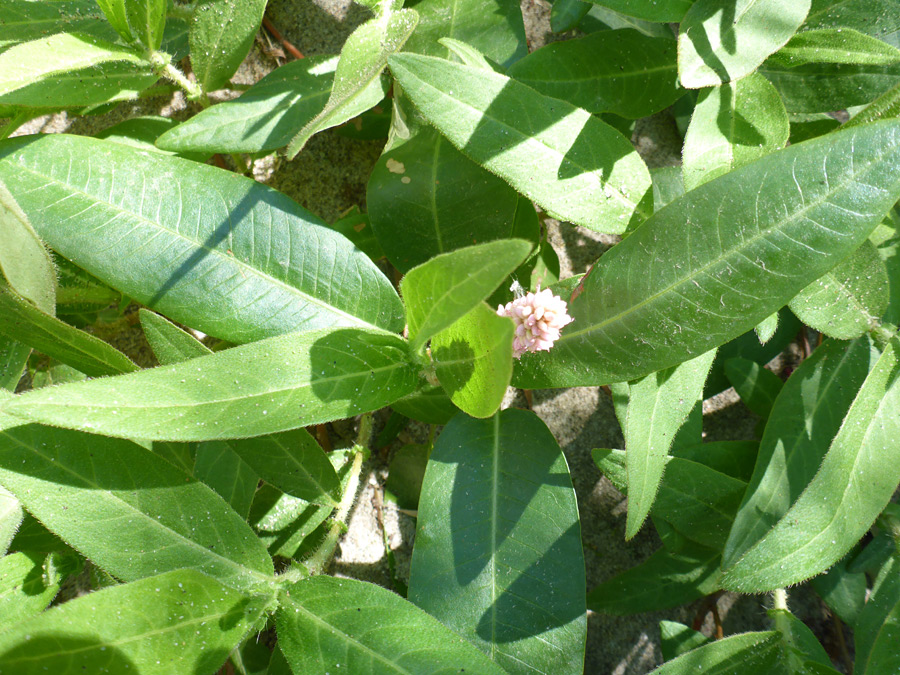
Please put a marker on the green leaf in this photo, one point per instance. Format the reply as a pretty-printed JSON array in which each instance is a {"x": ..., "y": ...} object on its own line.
[
  {"x": 573, "y": 165},
  {"x": 170, "y": 343},
  {"x": 618, "y": 71},
  {"x": 665, "y": 580},
  {"x": 221, "y": 35},
  {"x": 13, "y": 358},
  {"x": 426, "y": 198},
  {"x": 875, "y": 637},
  {"x": 745, "y": 653},
  {"x": 182, "y": 455},
  {"x": 566, "y": 14},
  {"x": 25, "y": 20},
  {"x": 24, "y": 262},
  {"x": 69, "y": 69},
  {"x": 719, "y": 260},
  {"x": 658, "y": 406},
  {"x": 842, "y": 590},
  {"x": 473, "y": 360},
  {"x": 758, "y": 387},
  {"x": 662, "y": 11},
  {"x": 23, "y": 322},
  {"x": 130, "y": 512},
  {"x": 224, "y": 471},
  {"x": 358, "y": 84},
  {"x": 406, "y": 473},
  {"x": 836, "y": 45},
  {"x": 116, "y": 14},
  {"x": 885, "y": 106},
  {"x": 326, "y": 623},
  {"x": 142, "y": 133},
  {"x": 273, "y": 385},
  {"x": 721, "y": 42},
  {"x": 765, "y": 329},
  {"x": 23, "y": 590},
  {"x": 265, "y": 117},
  {"x": 430, "y": 405},
  {"x": 178, "y": 622},
  {"x": 205, "y": 247},
  {"x": 11, "y": 515},
  {"x": 495, "y": 28},
  {"x": 854, "y": 483},
  {"x": 824, "y": 87},
  {"x": 733, "y": 458},
  {"x": 497, "y": 524},
  {"x": 872, "y": 17},
  {"x": 447, "y": 287},
  {"x": 677, "y": 639},
  {"x": 805, "y": 418},
  {"x": 147, "y": 21},
  {"x": 733, "y": 125},
  {"x": 294, "y": 463},
  {"x": 847, "y": 301}
]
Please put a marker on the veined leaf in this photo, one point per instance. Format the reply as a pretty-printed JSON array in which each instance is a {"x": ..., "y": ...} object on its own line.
[
  {"x": 24, "y": 262},
  {"x": 661, "y": 11},
  {"x": 876, "y": 630},
  {"x": 11, "y": 515},
  {"x": 132, "y": 513},
  {"x": 758, "y": 387},
  {"x": 117, "y": 16},
  {"x": 221, "y": 35},
  {"x": 885, "y": 106},
  {"x": 178, "y": 622},
  {"x": 719, "y": 42},
  {"x": 573, "y": 165},
  {"x": 677, "y": 639},
  {"x": 23, "y": 590},
  {"x": 272, "y": 385},
  {"x": 222, "y": 469},
  {"x": 170, "y": 344},
  {"x": 745, "y": 653},
  {"x": 857, "y": 478},
  {"x": 13, "y": 359},
  {"x": 26, "y": 20},
  {"x": 147, "y": 21},
  {"x": 326, "y": 623},
  {"x": 824, "y": 87},
  {"x": 836, "y": 45},
  {"x": 497, "y": 521},
  {"x": 210, "y": 249},
  {"x": 723, "y": 257},
  {"x": 872, "y": 17}
]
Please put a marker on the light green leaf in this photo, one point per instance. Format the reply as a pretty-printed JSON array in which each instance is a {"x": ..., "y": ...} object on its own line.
[
  {"x": 661, "y": 11},
  {"x": 147, "y": 21},
  {"x": 723, "y": 257},
  {"x": 573, "y": 165},
  {"x": 847, "y": 301},
  {"x": 444, "y": 289},
  {"x": 805, "y": 418},
  {"x": 294, "y": 463},
  {"x": 273, "y": 385},
  {"x": 224, "y": 471},
  {"x": 130, "y": 512},
  {"x": 766, "y": 328},
  {"x": 23, "y": 590},
  {"x": 116, "y": 14},
  {"x": 178, "y": 622},
  {"x": 24, "y": 262},
  {"x": 733, "y": 125},
  {"x": 25, "y": 20},
  {"x": 358, "y": 84},
  {"x": 857, "y": 478},
  {"x": 265, "y": 117},
  {"x": 658, "y": 406},
  {"x": 835, "y": 45},
  {"x": 25, "y": 323},
  {"x": 875, "y": 637},
  {"x": 170, "y": 344},
  {"x": 758, "y": 387},
  {"x": 719, "y": 42},
  {"x": 473, "y": 360},
  {"x": 69, "y": 69},
  {"x": 283, "y": 523},
  {"x": 326, "y": 623},
  {"x": 182, "y": 455},
  {"x": 11, "y": 515},
  {"x": 745, "y": 653},
  {"x": 498, "y": 554},
  {"x": 205, "y": 247},
  {"x": 618, "y": 71},
  {"x": 221, "y": 35}
]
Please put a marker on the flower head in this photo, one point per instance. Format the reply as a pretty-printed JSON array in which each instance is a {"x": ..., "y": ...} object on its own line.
[{"x": 539, "y": 317}]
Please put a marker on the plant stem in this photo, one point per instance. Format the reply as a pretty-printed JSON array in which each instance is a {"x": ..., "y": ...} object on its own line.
[
  {"x": 167, "y": 69},
  {"x": 779, "y": 599}
]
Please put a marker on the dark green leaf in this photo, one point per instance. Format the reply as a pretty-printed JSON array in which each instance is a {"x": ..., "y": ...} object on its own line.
[
  {"x": 677, "y": 639},
  {"x": 406, "y": 473},
  {"x": 650, "y": 10},
  {"x": 843, "y": 591},
  {"x": 875, "y": 637},
  {"x": 431, "y": 405},
  {"x": 23, "y": 589},
  {"x": 824, "y": 87},
  {"x": 745, "y": 653},
  {"x": 800, "y": 647},
  {"x": 885, "y": 106},
  {"x": 757, "y": 386},
  {"x": 733, "y": 458},
  {"x": 224, "y": 471},
  {"x": 565, "y": 14},
  {"x": 142, "y": 133},
  {"x": 872, "y": 17},
  {"x": 13, "y": 358},
  {"x": 497, "y": 523},
  {"x": 222, "y": 33}
]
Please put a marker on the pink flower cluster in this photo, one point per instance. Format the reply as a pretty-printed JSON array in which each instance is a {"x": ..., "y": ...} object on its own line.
[{"x": 539, "y": 317}]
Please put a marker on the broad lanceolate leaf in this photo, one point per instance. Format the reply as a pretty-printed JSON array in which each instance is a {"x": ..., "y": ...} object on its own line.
[
  {"x": 495, "y": 28},
  {"x": 732, "y": 125},
  {"x": 127, "y": 510},
  {"x": 447, "y": 287},
  {"x": 757, "y": 386},
  {"x": 265, "y": 117},
  {"x": 325, "y": 624},
  {"x": 273, "y": 385},
  {"x": 618, "y": 71},
  {"x": 573, "y": 165},
  {"x": 357, "y": 81},
  {"x": 25, "y": 20},
  {"x": 858, "y": 476},
  {"x": 498, "y": 554},
  {"x": 875, "y": 636},
  {"x": 222, "y": 469},
  {"x": 425, "y": 198},
  {"x": 210, "y": 249},
  {"x": 221, "y": 35},
  {"x": 804, "y": 419},
  {"x": 178, "y": 622},
  {"x": 847, "y": 301},
  {"x": 723, "y": 257},
  {"x": 745, "y": 653},
  {"x": 23, "y": 591},
  {"x": 473, "y": 360},
  {"x": 720, "y": 42},
  {"x": 170, "y": 344},
  {"x": 71, "y": 70},
  {"x": 294, "y": 463},
  {"x": 25, "y": 323},
  {"x": 662, "y": 11},
  {"x": 658, "y": 405},
  {"x": 24, "y": 262},
  {"x": 836, "y": 45}
]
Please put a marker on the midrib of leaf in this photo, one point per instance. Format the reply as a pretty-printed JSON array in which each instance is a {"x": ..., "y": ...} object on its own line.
[
  {"x": 242, "y": 569},
  {"x": 213, "y": 47},
  {"x": 302, "y": 468},
  {"x": 761, "y": 234},
  {"x": 645, "y": 482},
  {"x": 433, "y": 189},
  {"x": 215, "y": 252},
  {"x": 849, "y": 296},
  {"x": 605, "y": 76},
  {"x": 349, "y": 638}
]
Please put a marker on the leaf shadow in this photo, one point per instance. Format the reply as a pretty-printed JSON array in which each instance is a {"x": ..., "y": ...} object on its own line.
[
  {"x": 456, "y": 363},
  {"x": 735, "y": 126}
]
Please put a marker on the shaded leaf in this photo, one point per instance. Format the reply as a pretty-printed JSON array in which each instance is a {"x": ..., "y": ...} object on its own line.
[
  {"x": 170, "y": 343},
  {"x": 875, "y": 637},
  {"x": 745, "y": 653},
  {"x": 224, "y": 471},
  {"x": 23, "y": 589},
  {"x": 758, "y": 387},
  {"x": 650, "y": 10},
  {"x": 221, "y": 35},
  {"x": 430, "y": 405},
  {"x": 677, "y": 639},
  {"x": 13, "y": 358},
  {"x": 824, "y": 87}
]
